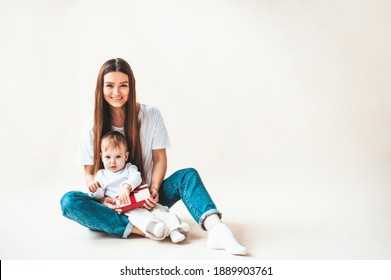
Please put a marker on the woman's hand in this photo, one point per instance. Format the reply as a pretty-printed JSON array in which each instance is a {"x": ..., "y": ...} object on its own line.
[
  {"x": 93, "y": 186},
  {"x": 152, "y": 200}
]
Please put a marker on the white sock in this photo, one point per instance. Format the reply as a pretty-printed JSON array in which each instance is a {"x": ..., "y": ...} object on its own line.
[
  {"x": 221, "y": 237},
  {"x": 156, "y": 229},
  {"x": 176, "y": 236}
]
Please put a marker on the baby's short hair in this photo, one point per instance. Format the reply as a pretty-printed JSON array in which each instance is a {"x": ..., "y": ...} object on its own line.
[{"x": 113, "y": 139}]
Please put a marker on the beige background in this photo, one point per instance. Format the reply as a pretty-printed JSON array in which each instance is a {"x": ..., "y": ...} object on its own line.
[{"x": 284, "y": 107}]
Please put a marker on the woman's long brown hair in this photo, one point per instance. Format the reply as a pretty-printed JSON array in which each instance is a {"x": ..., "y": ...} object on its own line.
[{"x": 102, "y": 116}]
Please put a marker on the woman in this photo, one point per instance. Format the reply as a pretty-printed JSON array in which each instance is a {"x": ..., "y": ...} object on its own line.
[{"x": 116, "y": 108}]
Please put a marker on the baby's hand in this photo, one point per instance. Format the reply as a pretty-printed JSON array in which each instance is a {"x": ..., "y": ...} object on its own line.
[
  {"x": 123, "y": 197},
  {"x": 93, "y": 186}
]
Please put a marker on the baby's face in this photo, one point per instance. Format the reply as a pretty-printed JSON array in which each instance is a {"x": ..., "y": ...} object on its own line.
[{"x": 114, "y": 159}]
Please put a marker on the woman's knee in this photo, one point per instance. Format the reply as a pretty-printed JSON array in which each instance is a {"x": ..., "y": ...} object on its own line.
[
  {"x": 191, "y": 180},
  {"x": 191, "y": 172},
  {"x": 69, "y": 199}
]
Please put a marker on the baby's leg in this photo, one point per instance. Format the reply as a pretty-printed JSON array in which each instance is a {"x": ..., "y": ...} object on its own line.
[
  {"x": 148, "y": 223},
  {"x": 178, "y": 229}
]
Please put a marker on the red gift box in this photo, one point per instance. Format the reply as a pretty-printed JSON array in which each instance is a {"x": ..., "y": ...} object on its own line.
[{"x": 137, "y": 198}]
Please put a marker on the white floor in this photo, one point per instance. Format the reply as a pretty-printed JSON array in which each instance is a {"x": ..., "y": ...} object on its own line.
[
  {"x": 294, "y": 95},
  {"x": 276, "y": 225}
]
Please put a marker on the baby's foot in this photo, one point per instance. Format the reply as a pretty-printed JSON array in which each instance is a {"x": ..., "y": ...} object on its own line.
[
  {"x": 176, "y": 236},
  {"x": 156, "y": 229},
  {"x": 184, "y": 228}
]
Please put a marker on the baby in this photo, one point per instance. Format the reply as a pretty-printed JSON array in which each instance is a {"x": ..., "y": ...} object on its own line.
[{"x": 119, "y": 178}]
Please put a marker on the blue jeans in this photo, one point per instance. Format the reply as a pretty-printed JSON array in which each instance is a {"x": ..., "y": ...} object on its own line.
[{"x": 184, "y": 184}]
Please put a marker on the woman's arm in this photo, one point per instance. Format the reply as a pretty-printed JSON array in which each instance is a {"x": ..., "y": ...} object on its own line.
[
  {"x": 89, "y": 173},
  {"x": 159, "y": 168}
]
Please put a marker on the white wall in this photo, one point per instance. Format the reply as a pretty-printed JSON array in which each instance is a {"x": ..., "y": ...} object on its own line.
[{"x": 290, "y": 96}]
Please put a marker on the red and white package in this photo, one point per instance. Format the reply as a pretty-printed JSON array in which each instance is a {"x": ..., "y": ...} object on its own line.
[{"x": 137, "y": 198}]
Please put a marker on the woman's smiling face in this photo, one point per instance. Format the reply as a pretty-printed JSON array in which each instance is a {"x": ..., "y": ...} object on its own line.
[{"x": 116, "y": 88}]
